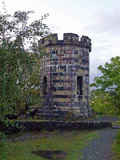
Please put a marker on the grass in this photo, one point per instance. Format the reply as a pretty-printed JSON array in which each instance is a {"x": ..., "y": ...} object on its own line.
[
  {"x": 3, "y": 147},
  {"x": 117, "y": 123},
  {"x": 31, "y": 120},
  {"x": 69, "y": 142},
  {"x": 116, "y": 147}
]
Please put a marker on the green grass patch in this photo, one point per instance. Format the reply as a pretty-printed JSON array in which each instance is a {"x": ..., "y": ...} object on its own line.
[
  {"x": 68, "y": 142},
  {"x": 116, "y": 147},
  {"x": 117, "y": 123},
  {"x": 3, "y": 147},
  {"x": 31, "y": 120}
]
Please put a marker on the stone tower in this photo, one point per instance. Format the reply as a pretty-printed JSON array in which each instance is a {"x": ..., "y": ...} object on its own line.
[{"x": 65, "y": 76}]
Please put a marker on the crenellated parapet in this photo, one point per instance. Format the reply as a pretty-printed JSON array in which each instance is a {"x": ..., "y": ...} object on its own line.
[
  {"x": 68, "y": 39},
  {"x": 86, "y": 42}
]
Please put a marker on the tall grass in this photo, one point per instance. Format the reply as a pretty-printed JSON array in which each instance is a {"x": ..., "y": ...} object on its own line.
[
  {"x": 116, "y": 147},
  {"x": 3, "y": 147}
]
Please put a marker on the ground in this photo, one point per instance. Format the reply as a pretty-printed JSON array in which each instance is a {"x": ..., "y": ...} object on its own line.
[
  {"x": 49, "y": 145},
  {"x": 100, "y": 148},
  {"x": 64, "y": 145}
]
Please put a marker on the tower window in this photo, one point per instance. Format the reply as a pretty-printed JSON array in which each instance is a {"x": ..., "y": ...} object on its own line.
[
  {"x": 79, "y": 85},
  {"x": 44, "y": 85}
]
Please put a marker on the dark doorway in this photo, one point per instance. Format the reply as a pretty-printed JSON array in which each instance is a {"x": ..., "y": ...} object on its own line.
[
  {"x": 79, "y": 85},
  {"x": 44, "y": 85}
]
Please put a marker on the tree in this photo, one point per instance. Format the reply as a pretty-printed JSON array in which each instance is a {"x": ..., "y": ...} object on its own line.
[
  {"x": 19, "y": 58},
  {"x": 101, "y": 103},
  {"x": 109, "y": 83}
]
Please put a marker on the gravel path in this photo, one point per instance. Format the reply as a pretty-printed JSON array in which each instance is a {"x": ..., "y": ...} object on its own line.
[{"x": 100, "y": 148}]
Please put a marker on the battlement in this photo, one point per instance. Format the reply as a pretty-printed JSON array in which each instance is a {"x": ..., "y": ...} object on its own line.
[{"x": 68, "y": 39}]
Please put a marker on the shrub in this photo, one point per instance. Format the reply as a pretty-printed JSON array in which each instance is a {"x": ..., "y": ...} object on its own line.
[{"x": 102, "y": 104}]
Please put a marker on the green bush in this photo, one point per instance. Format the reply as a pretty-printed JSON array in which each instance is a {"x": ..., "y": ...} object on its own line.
[
  {"x": 102, "y": 104},
  {"x": 3, "y": 147}
]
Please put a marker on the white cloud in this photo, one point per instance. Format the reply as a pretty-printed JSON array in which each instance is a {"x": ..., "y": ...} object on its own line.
[
  {"x": 106, "y": 21},
  {"x": 68, "y": 16},
  {"x": 104, "y": 32}
]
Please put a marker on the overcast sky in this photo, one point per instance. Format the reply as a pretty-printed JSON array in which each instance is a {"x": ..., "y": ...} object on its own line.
[{"x": 98, "y": 19}]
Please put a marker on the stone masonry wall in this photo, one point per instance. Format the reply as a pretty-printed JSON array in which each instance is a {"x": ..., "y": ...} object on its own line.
[{"x": 65, "y": 72}]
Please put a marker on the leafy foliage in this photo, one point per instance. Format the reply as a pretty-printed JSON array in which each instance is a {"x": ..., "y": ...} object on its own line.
[
  {"x": 101, "y": 103},
  {"x": 107, "y": 95},
  {"x": 19, "y": 61}
]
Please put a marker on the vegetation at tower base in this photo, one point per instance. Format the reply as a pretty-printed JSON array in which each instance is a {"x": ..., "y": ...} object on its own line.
[
  {"x": 19, "y": 62},
  {"x": 105, "y": 99}
]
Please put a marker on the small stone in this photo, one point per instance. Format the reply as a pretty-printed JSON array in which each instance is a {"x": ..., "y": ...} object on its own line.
[{"x": 89, "y": 157}]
